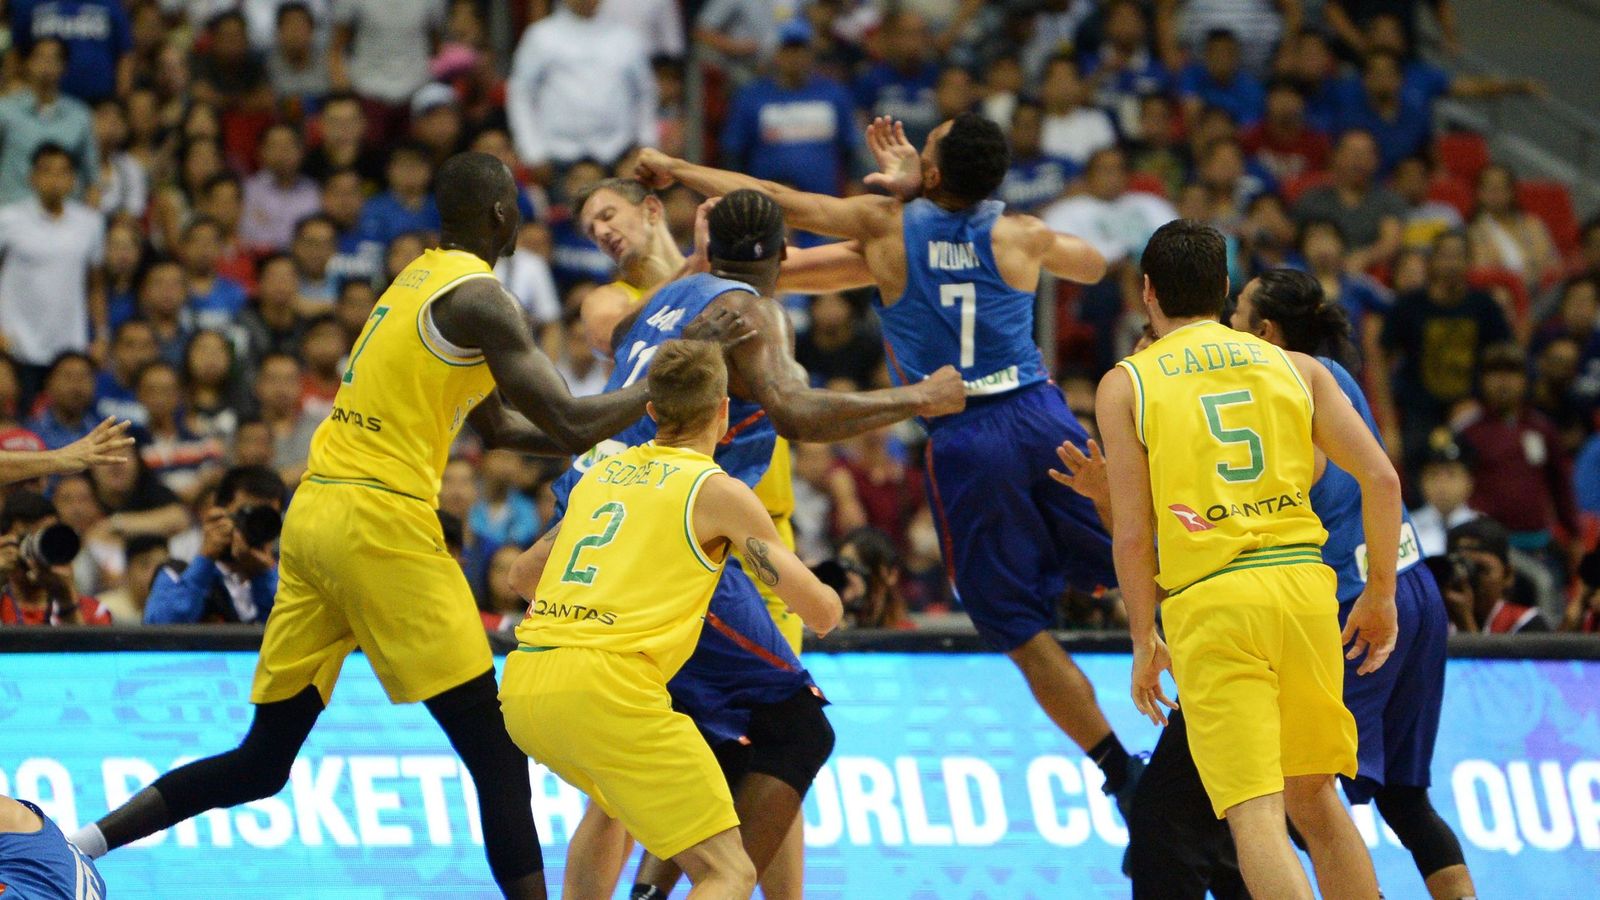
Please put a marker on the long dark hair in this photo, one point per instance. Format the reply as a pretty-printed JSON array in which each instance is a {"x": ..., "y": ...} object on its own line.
[{"x": 1311, "y": 322}]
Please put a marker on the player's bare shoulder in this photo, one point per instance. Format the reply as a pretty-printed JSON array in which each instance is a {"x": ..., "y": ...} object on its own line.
[{"x": 476, "y": 313}]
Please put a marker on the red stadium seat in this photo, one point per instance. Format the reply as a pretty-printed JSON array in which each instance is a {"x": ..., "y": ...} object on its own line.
[
  {"x": 1552, "y": 203},
  {"x": 1462, "y": 153},
  {"x": 1455, "y": 192},
  {"x": 1294, "y": 187},
  {"x": 1147, "y": 183}
]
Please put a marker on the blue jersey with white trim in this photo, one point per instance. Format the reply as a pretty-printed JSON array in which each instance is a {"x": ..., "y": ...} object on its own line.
[
  {"x": 957, "y": 309},
  {"x": 1336, "y": 499},
  {"x": 745, "y": 452},
  {"x": 44, "y": 865}
]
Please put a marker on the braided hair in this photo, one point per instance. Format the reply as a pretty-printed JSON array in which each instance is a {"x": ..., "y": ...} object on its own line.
[
  {"x": 1311, "y": 322},
  {"x": 746, "y": 226}
]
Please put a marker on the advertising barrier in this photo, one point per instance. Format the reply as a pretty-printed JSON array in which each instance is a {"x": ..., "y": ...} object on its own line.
[{"x": 947, "y": 781}]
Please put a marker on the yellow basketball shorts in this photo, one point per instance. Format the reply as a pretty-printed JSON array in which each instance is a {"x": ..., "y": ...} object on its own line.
[
  {"x": 366, "y": 567},
  {"x": 1260, "y": 671},
  {"x": 604, "y": 723}
]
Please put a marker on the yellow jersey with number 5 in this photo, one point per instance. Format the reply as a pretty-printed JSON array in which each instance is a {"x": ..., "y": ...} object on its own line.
[
  {"x": 626, "y": 573},
  {"x": 1226, "y": 421},
  {"x": 406, "y": 390}
]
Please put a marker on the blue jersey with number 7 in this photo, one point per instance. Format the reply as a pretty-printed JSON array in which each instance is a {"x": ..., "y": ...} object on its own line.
[{"x": 957, "y": 309}]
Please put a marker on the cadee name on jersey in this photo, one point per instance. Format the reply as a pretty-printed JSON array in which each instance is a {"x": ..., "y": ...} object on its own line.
[
  {"x": 945, "y": 255},
  {"x": 1211, "y": 357}
]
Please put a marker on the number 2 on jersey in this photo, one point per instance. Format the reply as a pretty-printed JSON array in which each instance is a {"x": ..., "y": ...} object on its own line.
[
  {"x": 966, "y": 294},
  {"x": 1213, "y": 404},
  {"x": 613, "y": 513},
  {"x": 377, "y": 319}
]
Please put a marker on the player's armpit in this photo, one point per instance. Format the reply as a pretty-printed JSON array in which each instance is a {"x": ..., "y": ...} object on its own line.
[
  {"x": 727, "y": 510},
  {"x": 481, "y": 315}
]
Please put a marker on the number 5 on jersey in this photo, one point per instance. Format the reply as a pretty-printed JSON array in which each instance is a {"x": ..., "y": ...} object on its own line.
[
  {"x": 1232, "y": 474},
  {"x": 613, "y": 513}
]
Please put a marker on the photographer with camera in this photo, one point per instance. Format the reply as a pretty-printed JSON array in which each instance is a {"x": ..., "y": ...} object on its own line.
[
  {"x": 234, "y": 578},
  {"x": 1480, "y": 585},
  {"x": 36, "y": 553},
  {"x": 866, "y": 573}
]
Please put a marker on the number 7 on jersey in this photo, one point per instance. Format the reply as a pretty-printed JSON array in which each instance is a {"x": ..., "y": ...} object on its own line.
[{"x": 965, "y": 294}]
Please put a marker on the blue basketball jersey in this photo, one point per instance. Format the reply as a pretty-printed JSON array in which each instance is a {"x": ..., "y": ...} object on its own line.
[
  {"x": 44, "y": 865},
  {"x": 1336, "y": 499},
  {"x": 957, "y": 310},
  {"x": 745, "y": 452}
]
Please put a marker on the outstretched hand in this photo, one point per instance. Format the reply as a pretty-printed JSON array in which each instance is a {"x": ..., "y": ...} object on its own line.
[
  {"x": 899, "y": 164},
  {"x": 1084, "y": 474},
  {"x": 108, "y": 444}
]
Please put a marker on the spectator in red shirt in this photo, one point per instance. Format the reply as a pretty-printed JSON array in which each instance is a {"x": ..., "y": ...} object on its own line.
[
  {"x": 1522, "y": 475},
  {"x": 325, "y": 345},
  {"x": 1486, "y": 600},
  {"x": 1283, "y": 142},
  {"x": 37, "y": 594},
  {"x": 869, "y": 485}
]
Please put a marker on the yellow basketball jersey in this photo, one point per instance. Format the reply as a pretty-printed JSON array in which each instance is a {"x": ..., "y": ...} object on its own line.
[
  {"x": 1226, "y": 420},
  {"x": 626, "y": 573},
  {"x": 406, "y": 390},
  {"x": 633, "y": 294}
]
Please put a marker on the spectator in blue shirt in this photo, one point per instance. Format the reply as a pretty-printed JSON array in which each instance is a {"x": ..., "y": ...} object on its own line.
[
  {"x": 1322, "y": 249},
  {"x": 1125, "y": 70},
  {"x": 407, "y": 205},
  {"x": 229, "y": 580},
  {"x": 133, "y": 346},
  {"x": 1312, "y": 65},
  {"x": 355, "y": 257},
  {"x": 794, "y": 126},
  {"x": 215, "y": 301},
  {"x": 503, "y": 515},
  {"x": 98, "y": 37},
  {"x": 1423, "y": 81},
  {"x": 901, "y": 86},
  {"x": 1034, "y": 180},
  {"x": 1218, "y": 80},
  {"x": 68, "y": 410},
  {"x": 1376, "y": 104}
]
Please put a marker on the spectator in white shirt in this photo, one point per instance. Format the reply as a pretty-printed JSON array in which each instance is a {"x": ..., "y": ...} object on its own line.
[
  {"x": 526, "y": 274},
  {"x": 1114, "y": 220},
  {"x": 381, "y": 49},
  {"x": 657, "y": 22},
  {"x": 51, "y": 286},
  {"x": 580, "y": 87},
  {"x": 1072, "y": 130},
  {"x": 1446, "y": 484}
]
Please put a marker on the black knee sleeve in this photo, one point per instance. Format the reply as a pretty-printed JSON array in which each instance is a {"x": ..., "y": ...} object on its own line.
[
  {"x": 471, "y": 718},
  {"x": 1411, "y": 816},
  {"x": 257, "y": 768},
  {"x": 790, "y": 740}
]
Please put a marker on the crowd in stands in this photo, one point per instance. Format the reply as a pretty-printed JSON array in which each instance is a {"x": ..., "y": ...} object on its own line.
[{"x": 201, "y": 201}]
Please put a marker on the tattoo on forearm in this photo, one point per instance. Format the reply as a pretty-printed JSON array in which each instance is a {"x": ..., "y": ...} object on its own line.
[{"x": 755, "y": 551}]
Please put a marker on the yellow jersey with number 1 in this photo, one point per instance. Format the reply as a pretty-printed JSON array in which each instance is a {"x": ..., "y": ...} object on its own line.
[
  {"x": 626, "y": 573},
  {"x": 406, "y": 390},
  {"x": 1226, "y": 420}
]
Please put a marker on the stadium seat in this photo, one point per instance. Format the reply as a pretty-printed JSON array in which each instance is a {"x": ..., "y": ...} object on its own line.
[
  {"x": 1462, "y": 153},
  {"x": 1147, "y": 183},
  {"x": 1552, "y": 203},
  {"x": 1292, "y": 188},
  {"x": 1455, "y": 192}
]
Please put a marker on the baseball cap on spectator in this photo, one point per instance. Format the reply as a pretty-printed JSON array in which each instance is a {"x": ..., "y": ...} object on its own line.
[
  {"x": 795, "y": 33},
  {"x": 453, "y": 60},
  {"x": 1483, "y": 534},
  {"x": 430, "y": 97}
]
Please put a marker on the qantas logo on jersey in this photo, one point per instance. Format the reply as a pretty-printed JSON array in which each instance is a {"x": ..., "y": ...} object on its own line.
[
  {"x": 1266, "y": 506},
  {"x": 1189, "y": 518},
  {"x": 945, "y": 255}
]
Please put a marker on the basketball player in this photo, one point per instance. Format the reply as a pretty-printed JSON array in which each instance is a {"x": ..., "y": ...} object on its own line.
[
  {"x": 363, "y": 559},
  {"x": 957, "y": 282},
  {"x": 744, "y": 686},
  {"x": 1211, "y": 437},
  {"x": 620, "y": 600},
  {"x": 36, "y": 860}
]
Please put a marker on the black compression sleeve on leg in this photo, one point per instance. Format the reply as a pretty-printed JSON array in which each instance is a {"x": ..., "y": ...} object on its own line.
[
  {"x": 1413, "y": 819},
  {"x": 471, "y": 718},
  {"x": 257, "y": 768}
]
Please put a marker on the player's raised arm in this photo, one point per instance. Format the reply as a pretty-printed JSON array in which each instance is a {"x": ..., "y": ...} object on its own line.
[
  {"x": 863, "y": 217},
  {"x": 1338, "y": 430},
  {"x": 766, "y": 366},
  {"x": 727, "y": 509},
  {"x": 1062, "y": 255},
  {"x": 820, "y": 270}
]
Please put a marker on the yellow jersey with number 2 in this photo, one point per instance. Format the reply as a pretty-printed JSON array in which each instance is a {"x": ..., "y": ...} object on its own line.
[
  {"x": 626, "y": 573},
  {"x": 406, "y": 390},
  {"x": 1226, "y": 420}
]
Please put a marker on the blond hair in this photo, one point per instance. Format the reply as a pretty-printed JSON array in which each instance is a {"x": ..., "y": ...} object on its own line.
[{"x": 688, "y": 382}]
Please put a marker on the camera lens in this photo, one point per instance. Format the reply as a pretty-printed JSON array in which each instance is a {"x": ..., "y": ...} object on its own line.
[
  {"x": 259, "y": 525},
  {"x": 53, "y": 545}
]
